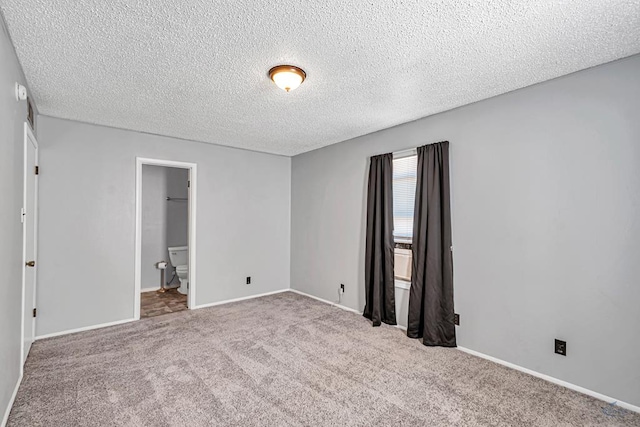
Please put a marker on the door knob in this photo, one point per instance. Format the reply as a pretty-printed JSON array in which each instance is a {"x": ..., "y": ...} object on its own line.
[{"x": 30, "y": 264}]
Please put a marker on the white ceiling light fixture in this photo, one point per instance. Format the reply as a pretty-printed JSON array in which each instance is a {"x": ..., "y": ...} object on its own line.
[{"x": 287, "y": 77}]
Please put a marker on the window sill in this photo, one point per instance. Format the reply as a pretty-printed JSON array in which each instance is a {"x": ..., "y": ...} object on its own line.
[{"x": 402, "y": 284}]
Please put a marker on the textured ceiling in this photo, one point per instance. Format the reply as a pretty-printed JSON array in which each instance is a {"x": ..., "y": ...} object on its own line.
[{"x": 198, "y": 69}]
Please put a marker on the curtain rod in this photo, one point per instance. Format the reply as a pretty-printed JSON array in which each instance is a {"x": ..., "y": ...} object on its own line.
[
  {"x": 400, "y": 154},
  {"x": 407, "y": 152}
]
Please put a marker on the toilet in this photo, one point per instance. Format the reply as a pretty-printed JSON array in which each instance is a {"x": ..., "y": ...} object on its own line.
[{"x": 179, "y": 256}]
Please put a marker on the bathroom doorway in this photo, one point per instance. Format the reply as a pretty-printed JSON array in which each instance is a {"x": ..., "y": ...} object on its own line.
[{"x": 165, "y": 237}]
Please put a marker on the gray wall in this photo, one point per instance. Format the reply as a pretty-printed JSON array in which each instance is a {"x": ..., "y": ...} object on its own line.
[
  {"x": 13, "y": 114},
  {"x": 164, "y": 223},
  {"x": 546, "y": 223},
  {"x": 87, "y": 210}
]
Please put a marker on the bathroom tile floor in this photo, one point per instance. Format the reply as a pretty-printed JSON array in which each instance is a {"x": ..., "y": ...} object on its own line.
[{"x": 155, "y": 304}]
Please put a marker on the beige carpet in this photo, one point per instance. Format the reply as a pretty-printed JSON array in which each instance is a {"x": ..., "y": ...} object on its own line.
[{"x": 278, "y": 361}]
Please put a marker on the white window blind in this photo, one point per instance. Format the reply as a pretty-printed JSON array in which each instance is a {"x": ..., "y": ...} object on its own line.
[{"x": 404, "y": 194}]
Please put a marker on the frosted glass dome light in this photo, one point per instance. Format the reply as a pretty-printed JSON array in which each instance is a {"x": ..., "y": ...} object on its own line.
[{"x": 287, "y": 77}]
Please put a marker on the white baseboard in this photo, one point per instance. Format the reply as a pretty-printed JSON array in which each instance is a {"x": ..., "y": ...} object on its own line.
[
  {"x": 326, "y": 301},
  {"x": 86, "y": 328},
  {"x": 157, "y": 289},
  {"x": 213, "y": 304},
  {"x": 10, "y": 404},
  {"x": 551, "y": 379}
]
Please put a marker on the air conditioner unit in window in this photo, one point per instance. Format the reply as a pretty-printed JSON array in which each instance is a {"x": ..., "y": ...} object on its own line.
[{"x": 402, "y": 264}]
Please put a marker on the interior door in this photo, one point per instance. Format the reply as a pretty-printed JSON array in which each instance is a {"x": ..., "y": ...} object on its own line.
[{"x": 30, "y": 235}]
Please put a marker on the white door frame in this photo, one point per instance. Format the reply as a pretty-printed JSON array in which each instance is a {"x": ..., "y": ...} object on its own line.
[
  {"x": 29, "y": 138},
  {"x": 192, "y": 168}
]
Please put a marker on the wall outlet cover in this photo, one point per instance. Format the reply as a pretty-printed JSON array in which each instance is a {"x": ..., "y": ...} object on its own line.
[{"x": 561, "y": 347}]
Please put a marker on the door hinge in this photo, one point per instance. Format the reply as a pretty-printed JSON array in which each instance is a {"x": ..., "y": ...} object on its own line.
[
  {"x": 37, "y": 170},
  {"x": 35, "y": 312},
  {"x": 188, "y": 184}
]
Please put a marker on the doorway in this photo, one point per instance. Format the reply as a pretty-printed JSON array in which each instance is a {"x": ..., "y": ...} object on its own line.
[
  {"x": 165, "y": 249},
  {"x": 29, "y": 242}
]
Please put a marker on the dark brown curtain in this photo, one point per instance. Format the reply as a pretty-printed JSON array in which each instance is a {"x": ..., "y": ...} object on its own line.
[
  {"x": 431, "y": 314},
  {"x": 380, "y": 303}
]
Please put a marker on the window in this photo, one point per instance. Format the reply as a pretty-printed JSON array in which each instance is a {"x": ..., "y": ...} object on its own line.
[{"x": 404, "y": 194}]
